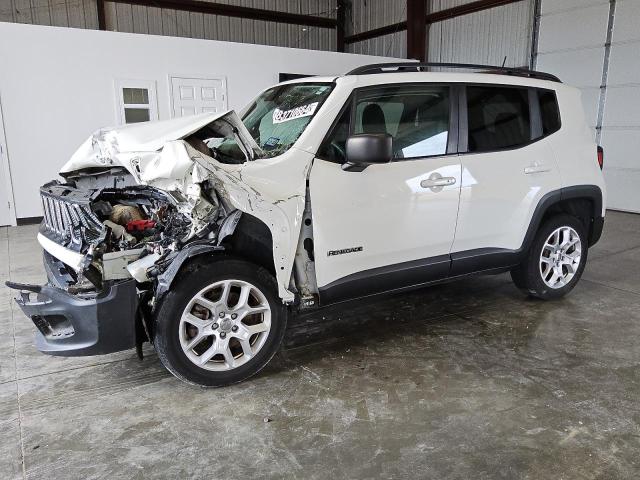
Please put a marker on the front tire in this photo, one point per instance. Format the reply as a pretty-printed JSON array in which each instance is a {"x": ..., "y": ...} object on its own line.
[
  {"x": 556, "y": 259},
  {"x": 220, "y": 324}
]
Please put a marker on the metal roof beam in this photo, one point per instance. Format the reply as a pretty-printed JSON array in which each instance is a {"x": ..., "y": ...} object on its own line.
[
  {"x": 430, "y": 18},
  {"x": 416, "y": 30},
  {"x": 212, "y": 8}
]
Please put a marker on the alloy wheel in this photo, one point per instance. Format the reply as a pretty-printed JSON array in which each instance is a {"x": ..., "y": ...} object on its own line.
[
  {"x": 225, "y": 325},
  {"x": 560, "y": 257}
]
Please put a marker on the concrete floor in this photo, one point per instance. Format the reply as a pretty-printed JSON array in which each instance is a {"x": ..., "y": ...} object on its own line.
[{"x": 467, "y": 380}]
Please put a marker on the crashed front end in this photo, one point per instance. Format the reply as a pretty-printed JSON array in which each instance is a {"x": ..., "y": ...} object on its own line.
[
  {"x": 104, "y": 250},
  {"x": 118, "y": 229}
]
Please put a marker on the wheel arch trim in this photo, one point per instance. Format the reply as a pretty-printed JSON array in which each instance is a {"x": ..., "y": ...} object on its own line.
[{"x": 592, "y": 193}]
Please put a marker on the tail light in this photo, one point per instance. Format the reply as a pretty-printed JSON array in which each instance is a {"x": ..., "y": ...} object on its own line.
[{"x": 600, "y": 157}]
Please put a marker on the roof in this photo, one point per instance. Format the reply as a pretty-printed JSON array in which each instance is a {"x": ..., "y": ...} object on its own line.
[{"x": 379, "y": 68}]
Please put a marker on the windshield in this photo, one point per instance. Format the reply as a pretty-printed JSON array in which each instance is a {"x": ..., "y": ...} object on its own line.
[{"x": 278, "y": 117}]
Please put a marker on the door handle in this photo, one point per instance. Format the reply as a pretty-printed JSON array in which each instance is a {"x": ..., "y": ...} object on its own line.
[
  {"x": 437, "y": 182},
  {"x": 536, "y": 169}
]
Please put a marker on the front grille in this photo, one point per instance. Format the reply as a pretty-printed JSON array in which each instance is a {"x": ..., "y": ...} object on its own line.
[{"x": 68, "y": 218}]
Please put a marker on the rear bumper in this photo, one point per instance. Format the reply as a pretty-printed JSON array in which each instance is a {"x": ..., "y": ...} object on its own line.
[{"x": 78, "y": 324}]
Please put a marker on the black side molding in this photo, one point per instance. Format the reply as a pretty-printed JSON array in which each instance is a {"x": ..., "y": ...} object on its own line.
[
  {"x": 417, "y": 273},
  {"x": 384, "y": 279},
  {"x": 483, "y": 259}
]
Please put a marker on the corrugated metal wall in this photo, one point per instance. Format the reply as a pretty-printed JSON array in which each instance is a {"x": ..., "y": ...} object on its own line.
[
  {"x": 369, "y": 14},
  {"x": 484, "y": 37},
  {"x": 60, "y": 13},
  {"x": 156, "y": 21}
]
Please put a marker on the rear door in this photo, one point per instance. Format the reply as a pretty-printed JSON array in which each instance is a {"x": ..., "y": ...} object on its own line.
[
  {"x": 507, "y": 168},
  {"x": 391, "y": 225}
]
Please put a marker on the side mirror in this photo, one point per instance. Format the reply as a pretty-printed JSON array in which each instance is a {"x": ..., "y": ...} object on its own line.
[{"x": 367, "y": 149}]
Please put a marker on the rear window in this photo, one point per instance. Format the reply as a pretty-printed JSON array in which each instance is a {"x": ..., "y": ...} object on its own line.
[
  {"x": 498, "y": 117},
  {"x": 549, "y": 112}
]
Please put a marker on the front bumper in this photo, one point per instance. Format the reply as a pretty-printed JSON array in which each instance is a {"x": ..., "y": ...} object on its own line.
[{"x": 80, "y": 324}]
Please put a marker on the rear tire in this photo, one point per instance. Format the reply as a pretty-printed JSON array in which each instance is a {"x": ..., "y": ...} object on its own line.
[
  {"x": 556, "y": 259},
  {"x": 220, "y": 323}
]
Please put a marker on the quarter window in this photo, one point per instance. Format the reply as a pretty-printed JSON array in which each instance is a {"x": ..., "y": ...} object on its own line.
[
  {"x": 549, "y": 112},
  {"x": 498, "y": 117}
]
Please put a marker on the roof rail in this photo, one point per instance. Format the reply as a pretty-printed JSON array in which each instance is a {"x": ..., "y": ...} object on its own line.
[{"x": 424, "y": 67}]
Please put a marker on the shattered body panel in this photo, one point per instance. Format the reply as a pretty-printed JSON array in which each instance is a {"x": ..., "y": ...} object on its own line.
[
  {"x": 143, "y": 205},
  {"x": 156, "y": 155}
]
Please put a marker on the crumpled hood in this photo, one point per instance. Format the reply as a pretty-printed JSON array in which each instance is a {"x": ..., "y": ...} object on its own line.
[{"x": 102, "y": 149}]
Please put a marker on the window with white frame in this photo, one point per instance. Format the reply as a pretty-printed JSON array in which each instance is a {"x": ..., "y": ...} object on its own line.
[{"x": 136, "y": 101}]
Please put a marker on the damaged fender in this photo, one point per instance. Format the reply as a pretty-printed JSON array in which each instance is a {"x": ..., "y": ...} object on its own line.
[
  {"x": 272, "y": 190},
  {"x": 155, "y": 154}
]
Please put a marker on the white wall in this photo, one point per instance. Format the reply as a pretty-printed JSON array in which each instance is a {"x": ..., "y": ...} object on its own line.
[
  {"x": 57, "y": 86},
  {"x": 572, "y": 41}
]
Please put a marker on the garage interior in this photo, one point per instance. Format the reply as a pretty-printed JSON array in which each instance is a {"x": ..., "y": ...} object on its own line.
[{"x": 463, "y": 380}]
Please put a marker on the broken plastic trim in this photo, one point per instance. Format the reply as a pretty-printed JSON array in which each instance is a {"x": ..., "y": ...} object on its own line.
[{"x": 165, "y": 279}]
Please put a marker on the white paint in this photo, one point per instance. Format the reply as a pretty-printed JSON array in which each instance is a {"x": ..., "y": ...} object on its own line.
[
  {"x": 191, "y": 96},
  {"x": 7, "y": 210},
  {"x": 107, "y": 145},
  {"x": 58, "y": 84},
  {"x": 384, "y": 211},
  {"x": 499, "y": 195}
]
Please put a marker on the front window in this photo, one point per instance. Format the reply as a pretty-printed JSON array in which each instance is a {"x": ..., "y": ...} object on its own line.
[
  {"x": 417, "y": 117},
  {"x": 277, "y": 118}
]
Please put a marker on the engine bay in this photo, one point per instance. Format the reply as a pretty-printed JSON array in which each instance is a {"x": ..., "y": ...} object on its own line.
[{"x": 128, "y": 230}]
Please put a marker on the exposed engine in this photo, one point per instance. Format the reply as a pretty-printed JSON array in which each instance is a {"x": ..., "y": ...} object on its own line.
[{"x": 129, "y": 231}]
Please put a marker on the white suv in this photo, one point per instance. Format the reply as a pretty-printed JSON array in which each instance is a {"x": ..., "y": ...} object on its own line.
[{"x": 202, "y": 234}]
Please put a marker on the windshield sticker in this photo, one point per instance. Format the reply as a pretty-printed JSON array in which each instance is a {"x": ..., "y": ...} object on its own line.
[
  {"x": 271, "y": 143},
  {"x": 281, "y": 116}
]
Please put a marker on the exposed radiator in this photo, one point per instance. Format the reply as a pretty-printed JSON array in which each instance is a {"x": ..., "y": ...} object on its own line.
[{"x": 68, "y": 218}]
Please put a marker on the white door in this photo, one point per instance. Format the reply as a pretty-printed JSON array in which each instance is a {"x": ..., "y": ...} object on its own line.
[
  {"x": 7, "y": 215},
  {"x": 504, "y": 175},
  {"x": 391, "y": 225},
  {"x": 191, "y": 96}
]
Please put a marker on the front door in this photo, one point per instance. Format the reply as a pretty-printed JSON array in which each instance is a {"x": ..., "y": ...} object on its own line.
[
  {"x": 198, "y": 95},
  {"x": 392, "y": 225}
]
